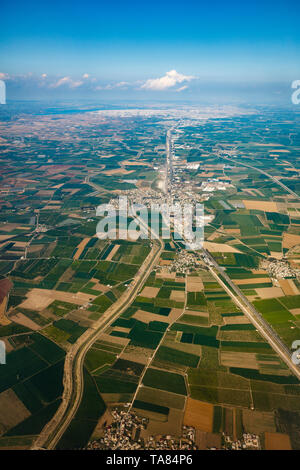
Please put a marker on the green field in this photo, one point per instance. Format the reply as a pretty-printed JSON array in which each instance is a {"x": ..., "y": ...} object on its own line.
[{"x": 165, "y": 381}]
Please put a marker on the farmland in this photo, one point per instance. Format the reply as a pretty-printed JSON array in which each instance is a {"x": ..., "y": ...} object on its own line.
[{"x": 181, "y": 352}]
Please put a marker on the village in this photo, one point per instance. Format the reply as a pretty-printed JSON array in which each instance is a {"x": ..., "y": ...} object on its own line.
[{"x": 128, "y": 431}]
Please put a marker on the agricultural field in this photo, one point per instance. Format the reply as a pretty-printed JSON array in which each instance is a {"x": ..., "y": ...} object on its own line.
[
  {"x": 31, "y": 384},
  {"x": 182, "y": 352},
  {"x": 219, "y": 369}
]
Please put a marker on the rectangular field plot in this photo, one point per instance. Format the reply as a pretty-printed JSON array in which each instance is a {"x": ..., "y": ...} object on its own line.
[
  {"x": 250, "y": 347},
  {"x": 199, "y": 415},
  {"x": 160, "y": 397},
  {"x": 257, "y": 422},
  {"x": 148, "y": 316},
  {"x": 150, "y": 292},
  {"x": 165, "y": 381},
  {"x": 177, "y": 357},
  {"x": 194, "y": 319},
  {"x": 196, "y": 300},
  {"x": 12, "y": 410},
  {"x": 20, "y": 364},
  {"x": 129, "y": 367},
  {"x": 96, "y": 358},
  {"x": 277, "y": 441},
  {"x": 35, "y": 423},
  {"x": 112, "y": 381},
  {"x": 48, "y": 350},
  {"x": 39, "y": 299},
  {"x": 232, "y": 359},
  {"x": 197, "y": 335},
  {"x": 273, "y": 311},
  {"x": 172, "y": 425},
  {"x": 146, "y": 406}
]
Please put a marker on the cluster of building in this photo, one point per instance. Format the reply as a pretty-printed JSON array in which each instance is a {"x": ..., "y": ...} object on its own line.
[
  {"x": 213, "y": 184},
  {"x": 190, "y": 114},
  {"x": 146, "y": 196},
  {"x": 179, "y": 188},
  {"x": 183, "y": 194},
  {"x": 279, "y": 269},
  {"x": 174, "y": 210},
  {"x": 170, "y": 443},
  {"x": 185, "y": 262},
  {"x": 179, "y": 185},
  {"x": 123, "y": 433},
  {"x": 127, "y": 431},
  {"x": 247, "y": 442}
]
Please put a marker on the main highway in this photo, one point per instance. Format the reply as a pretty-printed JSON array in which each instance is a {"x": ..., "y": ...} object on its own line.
[
  {"x": 250, "y": 311},
  {"x": 277, "y": 181},
  {"x": 239, "y": 298},
  {"x": 73, "y": 369}
]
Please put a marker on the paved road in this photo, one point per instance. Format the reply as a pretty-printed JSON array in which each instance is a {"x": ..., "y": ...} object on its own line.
[
  {"x": 152, "y": 357},
  {"x": 238, "y": 297},
  {"x": 286, "y": 188},
  {"x": 73, "y": 370},
  {"x": 169, "y": 160}
]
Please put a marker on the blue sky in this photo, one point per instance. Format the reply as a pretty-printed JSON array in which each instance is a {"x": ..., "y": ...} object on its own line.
[{"x": 115, "y": 48}]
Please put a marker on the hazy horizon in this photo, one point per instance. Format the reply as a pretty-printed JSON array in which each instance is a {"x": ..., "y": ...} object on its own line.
[{"x": 230, "y": 53}]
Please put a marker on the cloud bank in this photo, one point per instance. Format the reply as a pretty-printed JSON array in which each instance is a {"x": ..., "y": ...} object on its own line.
[
  {"x": 169, "y": 80},
  {"x": 67, "y": 81},
  {"x": 86, "y": 82}
]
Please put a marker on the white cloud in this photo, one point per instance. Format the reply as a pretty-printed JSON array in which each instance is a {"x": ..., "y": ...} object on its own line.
[
  {"x": 75, "y": 84},
  {"x": 122, "y": 84},
  {"x": 67, "y": 81},
  {"x": 112, "y": 86},
  {"x": 61, "y": 81},
  {"x": 181, "y": 88},
  {"x": 169, "y": 80}
]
